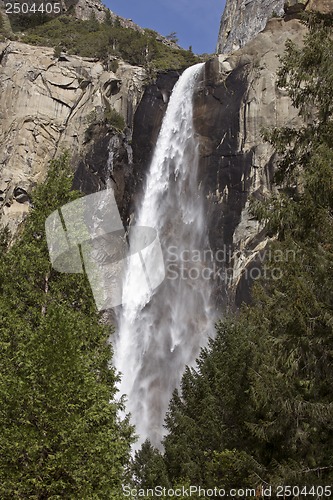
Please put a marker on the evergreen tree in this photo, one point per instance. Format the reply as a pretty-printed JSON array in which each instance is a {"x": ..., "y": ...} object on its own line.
[
  {"x": 60, "y": 433},
  {"x": 207, "y": 439},
  {"x": 148, "y": 468}
]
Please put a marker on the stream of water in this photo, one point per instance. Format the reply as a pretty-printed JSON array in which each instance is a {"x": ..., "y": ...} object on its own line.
[{"x": 162, "y": 331}]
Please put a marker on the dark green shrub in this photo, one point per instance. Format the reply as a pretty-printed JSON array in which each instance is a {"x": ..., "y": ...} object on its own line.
[
  {"x": 115, "y": 119},
  {"x": 114, "y": 65}
]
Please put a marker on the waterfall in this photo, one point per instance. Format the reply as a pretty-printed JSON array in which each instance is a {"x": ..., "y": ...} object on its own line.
[{"x": 161, "y": 332}]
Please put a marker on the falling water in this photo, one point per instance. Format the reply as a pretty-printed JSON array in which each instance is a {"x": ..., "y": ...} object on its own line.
[{"x": 162, "y": 331}]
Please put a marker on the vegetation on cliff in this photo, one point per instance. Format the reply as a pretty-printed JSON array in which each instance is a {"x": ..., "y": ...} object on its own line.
[
  {"x": 60, "y": 433},
  {"x": 258, "y": 409},
  {"x": 101, "y": 40}
]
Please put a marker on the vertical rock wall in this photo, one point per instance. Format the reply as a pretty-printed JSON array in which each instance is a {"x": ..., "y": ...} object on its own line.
[
  {"x": 241, "y": 98},
  {"x": 243, "y": 19}
]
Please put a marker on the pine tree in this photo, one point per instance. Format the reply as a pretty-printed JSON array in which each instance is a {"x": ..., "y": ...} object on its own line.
[
  {"x": 148, "y": 468},
  {"x": 206, "y": 419},
  {"x": 61, "y": 436}
]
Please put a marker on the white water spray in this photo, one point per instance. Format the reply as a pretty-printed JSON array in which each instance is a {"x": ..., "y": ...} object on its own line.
[{"x": 161, "y": 332}]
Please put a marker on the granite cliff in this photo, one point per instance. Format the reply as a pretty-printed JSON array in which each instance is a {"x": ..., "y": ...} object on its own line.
[
  {"x": 242, "y": 20},
  {"x": 242, "y": 98},
  {"x": 50, "y": 105}
]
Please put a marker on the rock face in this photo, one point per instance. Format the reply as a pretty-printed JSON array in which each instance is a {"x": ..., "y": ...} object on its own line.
[
  {"x": 84, "y": 9},
  {"x": 148, "y": 120},
  {"x": 243, "y": 19},
  {"x": 240, "y": 96},
  {"x": 47, "y": 106},
  {"x": 322, "y": 6},
  {"x": 294, "y": 6}
]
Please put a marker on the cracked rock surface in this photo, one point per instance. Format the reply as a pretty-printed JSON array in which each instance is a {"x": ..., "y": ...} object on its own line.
[
  {"x": 242, "y": 20},
  {"x": 46, "y": 106}
]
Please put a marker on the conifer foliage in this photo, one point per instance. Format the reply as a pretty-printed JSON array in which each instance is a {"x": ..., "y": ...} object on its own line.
[{"x": 60, "y": 434}]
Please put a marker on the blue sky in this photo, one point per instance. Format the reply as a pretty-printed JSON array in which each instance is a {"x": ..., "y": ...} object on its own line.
[{"x": 196, "y": 22}]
